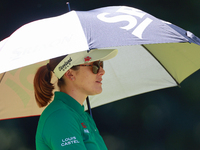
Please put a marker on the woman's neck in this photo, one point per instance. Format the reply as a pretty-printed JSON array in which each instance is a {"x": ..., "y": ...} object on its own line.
[{"x": 79, "y": 97}]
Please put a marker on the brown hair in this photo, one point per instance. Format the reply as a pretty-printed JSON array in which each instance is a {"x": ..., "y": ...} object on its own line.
[{"x": 43, "y": 87}]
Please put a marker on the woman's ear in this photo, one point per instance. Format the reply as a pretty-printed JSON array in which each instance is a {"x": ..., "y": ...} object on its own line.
[{"x": 69, "y": 75}]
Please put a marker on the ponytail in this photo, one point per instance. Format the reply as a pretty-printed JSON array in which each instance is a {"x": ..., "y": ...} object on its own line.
[
  {"x": 42, "y": 81},
  {"x": 42, "y": 86}
]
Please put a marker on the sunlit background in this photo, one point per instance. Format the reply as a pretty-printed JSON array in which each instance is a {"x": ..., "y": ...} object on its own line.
[{"x": 167, "y": 119}]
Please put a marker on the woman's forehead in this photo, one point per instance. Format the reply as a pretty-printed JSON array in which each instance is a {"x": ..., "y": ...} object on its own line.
[{"x": 90, "y": 63}]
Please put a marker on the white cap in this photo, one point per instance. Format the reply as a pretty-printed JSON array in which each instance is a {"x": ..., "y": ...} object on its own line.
[{"x": 83, "y": 57}]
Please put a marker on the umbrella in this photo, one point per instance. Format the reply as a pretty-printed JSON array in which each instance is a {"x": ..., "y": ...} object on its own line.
[{"x": 152, "y": 54}]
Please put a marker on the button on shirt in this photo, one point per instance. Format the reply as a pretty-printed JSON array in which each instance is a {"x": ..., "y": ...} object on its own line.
[{"x": 64, "y": 125}]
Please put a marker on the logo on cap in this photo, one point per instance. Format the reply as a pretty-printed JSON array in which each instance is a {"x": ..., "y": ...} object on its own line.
[
  {"x": 65, "y": 65},
  {"x": 88, "y": 58}
]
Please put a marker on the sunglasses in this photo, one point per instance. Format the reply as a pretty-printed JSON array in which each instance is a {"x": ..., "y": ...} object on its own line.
[{"x": 95, "y": 66}]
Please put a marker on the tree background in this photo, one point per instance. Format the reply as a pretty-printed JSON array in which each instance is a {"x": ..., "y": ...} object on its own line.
[{"x": 166, "y": 119}]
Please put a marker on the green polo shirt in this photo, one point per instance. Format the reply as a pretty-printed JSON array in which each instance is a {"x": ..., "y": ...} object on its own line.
[{"x": 64, "y": 125}]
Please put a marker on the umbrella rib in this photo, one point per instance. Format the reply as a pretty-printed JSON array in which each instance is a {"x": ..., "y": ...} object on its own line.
[
  {"x": 2, "y": 76},
  {"x": 162, "y": 66}
]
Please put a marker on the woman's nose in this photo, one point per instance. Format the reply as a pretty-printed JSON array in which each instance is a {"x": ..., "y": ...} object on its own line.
[{"x": 101, "y": 71}]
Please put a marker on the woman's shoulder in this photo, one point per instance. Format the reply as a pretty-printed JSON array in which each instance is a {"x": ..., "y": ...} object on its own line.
[
  {"x": 56, "y": 112},
  {"x": 59, "y": 118},
  {"x": 53, "y": 124}
]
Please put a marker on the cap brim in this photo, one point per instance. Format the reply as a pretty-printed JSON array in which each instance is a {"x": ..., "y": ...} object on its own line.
[
  {"x": 83, "y": 57},
  {"x": 97, "y": 54}
]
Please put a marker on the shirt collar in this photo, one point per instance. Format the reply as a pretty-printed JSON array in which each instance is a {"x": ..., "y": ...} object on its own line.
[{"x": 68, "y": 100}]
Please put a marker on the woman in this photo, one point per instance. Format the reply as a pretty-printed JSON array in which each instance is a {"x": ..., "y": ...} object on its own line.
[{"x": 64, "y": 124}]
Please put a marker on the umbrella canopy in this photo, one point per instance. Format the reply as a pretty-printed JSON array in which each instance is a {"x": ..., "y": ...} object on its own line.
[{"x": 152, "y": 54}]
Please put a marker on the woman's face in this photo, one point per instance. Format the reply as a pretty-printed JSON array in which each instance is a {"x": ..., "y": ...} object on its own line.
[{"x": 87, "y": 82}]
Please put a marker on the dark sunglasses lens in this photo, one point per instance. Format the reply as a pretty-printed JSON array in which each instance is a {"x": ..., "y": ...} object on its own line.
[
  {"x": 101, "y": 64},
  {"x": 98, "y": 63},
  {"x": 95, "y": 69},
  {"x": 96, "y": 66}
]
